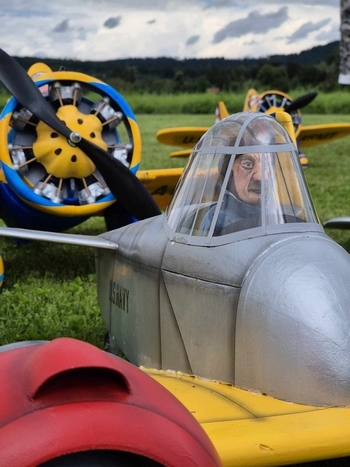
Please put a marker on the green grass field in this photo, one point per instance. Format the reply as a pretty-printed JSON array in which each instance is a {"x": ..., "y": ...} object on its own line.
[{"x": 50, "y": 291}]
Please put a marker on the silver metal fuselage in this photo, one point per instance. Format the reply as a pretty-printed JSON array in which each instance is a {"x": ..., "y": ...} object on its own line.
[{"x": 269, "y": 314}]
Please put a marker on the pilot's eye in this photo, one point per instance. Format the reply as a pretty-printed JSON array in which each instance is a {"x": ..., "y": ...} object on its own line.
[{"x": 247, "y": 165}]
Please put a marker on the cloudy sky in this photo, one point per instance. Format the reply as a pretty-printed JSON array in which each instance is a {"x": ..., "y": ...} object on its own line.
[{"x": 109, "y": 29}]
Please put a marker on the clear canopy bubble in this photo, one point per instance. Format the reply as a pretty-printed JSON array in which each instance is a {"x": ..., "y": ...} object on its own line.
[{"x": 243, "y": 174}]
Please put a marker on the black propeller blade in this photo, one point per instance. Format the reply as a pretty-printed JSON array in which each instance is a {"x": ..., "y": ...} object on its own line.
[
  {"x": 124, "y": 185},
  {"x": 20, "y": 85},
  {"x": 300, "y": 102}
]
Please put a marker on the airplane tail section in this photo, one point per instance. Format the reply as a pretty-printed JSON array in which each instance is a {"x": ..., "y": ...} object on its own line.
[
  {"x": 251, "y": 99},
  {"x": 221, "y": 111}
]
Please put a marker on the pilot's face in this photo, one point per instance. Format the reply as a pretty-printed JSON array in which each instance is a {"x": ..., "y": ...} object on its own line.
[{"x": 247, "y": 172}]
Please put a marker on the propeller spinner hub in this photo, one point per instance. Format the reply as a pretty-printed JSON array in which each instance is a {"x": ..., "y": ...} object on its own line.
[
  {"x": 74, "y": 138},
  {"x": 61, "y": 158}
]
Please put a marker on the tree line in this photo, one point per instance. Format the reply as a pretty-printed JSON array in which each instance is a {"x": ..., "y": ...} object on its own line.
[{"x": 316, "y": 68}]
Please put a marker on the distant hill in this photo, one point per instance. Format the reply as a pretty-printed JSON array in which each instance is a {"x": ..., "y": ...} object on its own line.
[
  {"x": 165, "y": 67},
  {"x": 312, "y": 56}
]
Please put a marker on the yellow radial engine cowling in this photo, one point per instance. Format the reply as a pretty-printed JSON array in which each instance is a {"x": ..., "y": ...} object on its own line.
[
  {"x": 54, "y": 152},
  {"x": 45, "y": 171},
  {"x": 274, "y": 101}
]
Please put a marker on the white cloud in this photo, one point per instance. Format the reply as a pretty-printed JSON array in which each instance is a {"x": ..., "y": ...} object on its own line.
[{"x": 106, "y": 29}]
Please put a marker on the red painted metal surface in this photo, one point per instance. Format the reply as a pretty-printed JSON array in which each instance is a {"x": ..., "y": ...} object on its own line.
[{"x": 67, "y": 396}]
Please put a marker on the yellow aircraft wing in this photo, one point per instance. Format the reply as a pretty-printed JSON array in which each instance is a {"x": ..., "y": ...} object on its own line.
[
  {"x": 253, "y": 429},
  {"x": 185, "y": 137},
  {"x": 160, "y": 183},
  {"x": 311, "y": 135},
  {"x": 183, "y": 153},
  {"x": 320, "y": 134}
]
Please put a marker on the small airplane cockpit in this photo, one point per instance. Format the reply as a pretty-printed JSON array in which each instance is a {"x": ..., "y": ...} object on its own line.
[{"x": 243, "y": 175}]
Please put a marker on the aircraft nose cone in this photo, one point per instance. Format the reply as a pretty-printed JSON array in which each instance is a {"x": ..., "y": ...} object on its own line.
[{"x": 293, "y": 323}]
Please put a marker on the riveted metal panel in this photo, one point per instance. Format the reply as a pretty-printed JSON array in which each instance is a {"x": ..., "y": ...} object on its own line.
[
  {"x": 293, "y": 321},
  {"x": 141, "y": 241},
  {"x": 206, "y": 316},
  {"x": 225, "y": 264},
  {"x": 135, "y": 324},
  {"x": 104, "y": 262},
  {"x": 174, "y": 355},
  {"x": 134, "y": 291}
]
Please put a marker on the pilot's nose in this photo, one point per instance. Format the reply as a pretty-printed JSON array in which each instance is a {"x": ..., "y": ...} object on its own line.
[{"x": 256, "y": 174}]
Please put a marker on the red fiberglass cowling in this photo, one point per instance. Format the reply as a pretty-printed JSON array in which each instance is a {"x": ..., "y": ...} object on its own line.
[{"x": 67, "y": 396}]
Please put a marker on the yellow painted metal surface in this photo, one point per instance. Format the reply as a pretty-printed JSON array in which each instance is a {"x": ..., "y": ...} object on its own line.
[
  {"x": 253, "y": 429},
  {"x": 2, "y": 177},
  {"x": 250, "y": 99},
  {"x": 320, "y": 134},
  {"x": 286, "y": 121},
  {"x": 136, "y": 137},
  {"x": 185, "y": 137},
  {"x": 4, "y": 127},
  {"x": 71, "y": 210},
  {"x": 64, "y": 75},
  {"x": 183, "y": 153},
  {"x": 60, "y": 158},
  {"x": 160, "y": 183},
  {"x": 38, "y": 69},
  {"x": 223, "y": 112}
]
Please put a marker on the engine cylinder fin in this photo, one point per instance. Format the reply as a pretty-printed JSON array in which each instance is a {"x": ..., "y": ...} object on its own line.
[
  {"x": 102, "y": 183},
  {"x": 102, "y": 104}
]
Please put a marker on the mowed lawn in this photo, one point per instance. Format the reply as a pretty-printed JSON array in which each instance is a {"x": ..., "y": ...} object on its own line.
[{"x": 50, "y": 289}]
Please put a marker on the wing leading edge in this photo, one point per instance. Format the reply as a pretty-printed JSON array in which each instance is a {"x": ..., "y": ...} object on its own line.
[
  {"x": 249, "y": 428},
  {"x": 54, "y": 237}
]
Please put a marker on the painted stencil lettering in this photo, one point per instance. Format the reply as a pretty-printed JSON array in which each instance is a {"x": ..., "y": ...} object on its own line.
[{"x": 119, "y": 296}]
